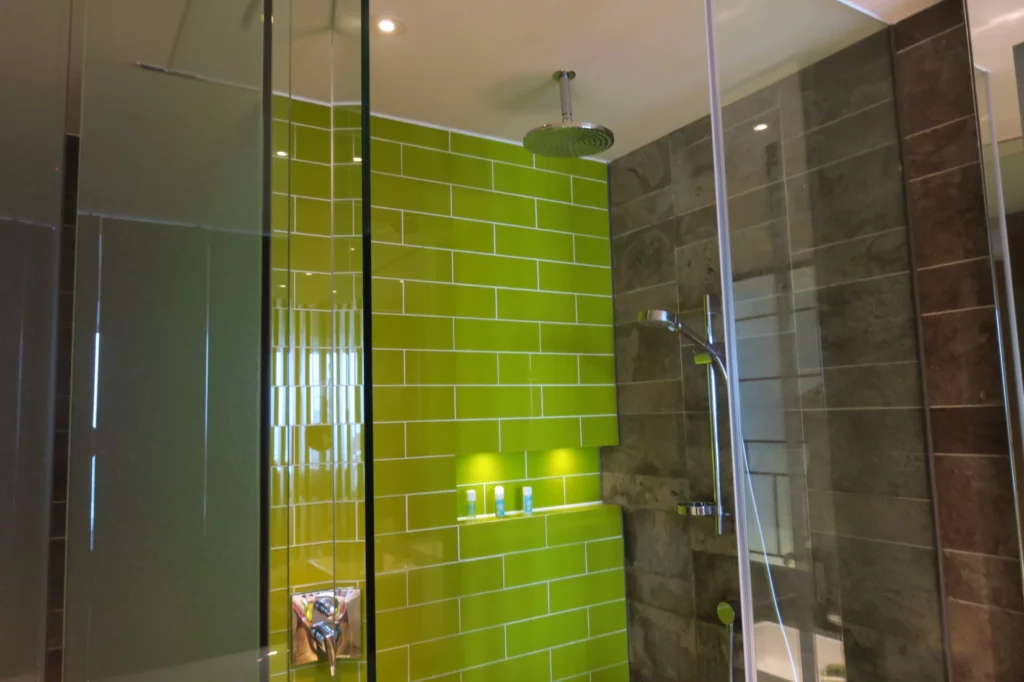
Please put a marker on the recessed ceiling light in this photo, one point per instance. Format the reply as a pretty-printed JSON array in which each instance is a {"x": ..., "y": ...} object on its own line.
[
  {"x": 282, "y": 153},
  {"x": 388, "y": 25},
  {"x": 357, "y": 159},
  {"x": 761, "y": 126}
]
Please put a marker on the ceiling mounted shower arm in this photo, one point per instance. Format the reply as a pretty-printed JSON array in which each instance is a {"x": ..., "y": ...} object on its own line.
[{"x": 565, "y": 79}]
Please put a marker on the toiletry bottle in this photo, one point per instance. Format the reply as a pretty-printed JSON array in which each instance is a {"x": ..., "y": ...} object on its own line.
[
  {"x": 499, "y": 501},
  {"x": 471, "y": 504},
  {"x": 527, "y": 499}
]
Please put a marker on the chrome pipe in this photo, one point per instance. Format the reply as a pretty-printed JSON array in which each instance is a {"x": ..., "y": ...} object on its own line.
[{"x": 716, "y": 451}]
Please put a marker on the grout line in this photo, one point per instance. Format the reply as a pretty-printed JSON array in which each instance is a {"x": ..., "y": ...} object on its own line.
[
  {"x": 952, "y": 311},
  {"x": 931, "y": 37},
  {"x": 976, "y": 162}
]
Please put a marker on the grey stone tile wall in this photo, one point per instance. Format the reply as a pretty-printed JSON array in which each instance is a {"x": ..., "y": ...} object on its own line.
[{"x": 830, "y": 380}]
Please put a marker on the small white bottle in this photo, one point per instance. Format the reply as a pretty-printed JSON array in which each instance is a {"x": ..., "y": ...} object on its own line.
[
  {"x": 471, "y": 504},
  {"x": 527, "y": 499},
  {"x": 499, "y": 501}
]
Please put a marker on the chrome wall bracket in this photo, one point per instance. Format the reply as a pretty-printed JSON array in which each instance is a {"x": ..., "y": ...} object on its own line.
[{"x": 325, "y": 626}]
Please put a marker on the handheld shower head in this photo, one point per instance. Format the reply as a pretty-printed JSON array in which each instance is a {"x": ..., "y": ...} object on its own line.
[{"x": 663, "y": 319}]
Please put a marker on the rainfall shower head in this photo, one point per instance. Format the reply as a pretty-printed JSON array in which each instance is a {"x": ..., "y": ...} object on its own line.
[{"x": 566, "y": 138}]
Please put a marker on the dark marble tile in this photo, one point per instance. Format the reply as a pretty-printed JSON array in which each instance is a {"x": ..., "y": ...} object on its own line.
[
  {"x": 645, "y": 353},
  {"x": 947, "y": 146},
  {"x": 693, "y": 176},
  {"x": 713, "y": 653},
  {"x": 647, "y": 210},
  {"x": 691, "y": 133},
  {"x": 767, "y": 357},
  {"x": 976, "y": 505},
  {"x": 885, "y": 253},
  {"x": 661, "y": 642},
  {"x": 961, "y": 358},
  {"x": 651, "y": 397},
  {"x": 649, "y": 445},
  {"x": 849, "y": 136},
  {"x": 889, "y": 385},
  {"x": 858, "y": 323},
  {"x": 54, "y": 629},
  {"x": 947, "y": 217},
  {"x": 873, "y": 452},
  {"x": 674, "y": 595},
  {"x": 876, "y": 656},
  {"x": 969, "y": 430},
  {"x": 716, "y": 579},
  {"x": 644, "y": 258},
  {"x": 757, "y": 206},
  {"x": 753, "y": 158},
  {"x": 985, "y": 643},
  {"x": 756, "y": 104},
  {"x": 858, "y": 196},
  {"x": 872, "y": 517},
  {"x": 966, "y": 284},
  {"x": 640, "y": 172},
  {"x": 891, "y": 588},
  {"x": 634, "y": 492},
  {"x": 63, "y": 365},
  {"x": 843, "y": 83},
  {"x": 697, "y": 273},
  {"x": 760, "y": 260},
  {"x": 628, "y": 305},
  {"x": 61, "y": 454},
  {"x": 62, "y": 413},
  {"x": 933, "y": 82},
  {"x": 657, "y": 542},
  {"x": 58, "y": 520},
  {"x": 53, "y": 670},
  {"x": 983, "y": 579},
  {"x": 697, "y": 226},
  {"x": 764, "y": 316},
  {"x": 928, "y": 23}
]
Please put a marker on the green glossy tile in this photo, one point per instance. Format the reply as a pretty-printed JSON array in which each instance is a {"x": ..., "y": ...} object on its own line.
[
  {"x": 280, "y": 107},
  {"x": 281, "y": 138},
  {"x": 278, "y": 568},
  {"x": 585, "y": 590},
  {"x": 454, "y": 580},
  {"x": 386, "y": 225},
  {"x": 484, "y": 467},
  {"x": 388, "y": 441},
  {"x": 587, "y": 168},
  {"x": 565, "y": 401},
  {"x": 527, "y": 242},
  {"x": 311, "y": 144},
  {"x": 594, "y": 310},
  {"x": 491, "y": 149},
  {"x": 615, "y": 673},
  {"x": 387, "y": 297},
  {"x": 451, "y": 437},
  {"x": 600, "y": 431},
  {"x": 451, "y": 300},
  {"x": 391, "y": 591},
  {"x": 307, "y": 113},
  {"x": 388, "y": 367},
  {"x": 345, "y": 671},
  {"x": 590, "y": 193},
  {"x": 279, "y": 528},
  {"x": 310, "y": 484},
  {"x": 574, "y": 219},
  {"x": 440, "y": 367},
  {"x": 499, "y": 271},
  {"x": 281, "y": 215},
  {"x": 497, "y": 608},
  {"x": 389, "y": 514},
  {"x": 490, "y": 538},
  {"x": 417, "y": 623},
  {"x": 413, "y": 403},
  {"x": 448, "y": 233},
  {"x": 312, "y": 216},
  {"x": 532, "y": 182},
  {"x": 414, "y": 475},
  {"x": 547, "y": 632},
  {"x": 593, "y": 523},
  {"x": 350, "y": 482},
  {"x": 411, "y": 262},
  {"x": 348, "y": 255},
  {"x": 537, "y": 434},
  {"x": 563, "y": 462},
  {"x": 581, "y": 489},
  {"x": 401, "y": 131},
  {"x": 412, "y": 332},
  {"x": 348, "y": 182},
  {"x": 522, "y": 368},
  {"x": 548, "y": 492},
  {"x": 590, "y": 654},
  {"x": 314, "y": 523},
  {"x": 494, "y": 402},
  {"x": 604, "y": 554},
  {"x": 393, "y": 665},
  {"x": 348, "y": 217},
  {"x": 536, "y": 305},
  {"x": 493, "y": 207},
  {"x": 416, "y": 550},
  {"x": 348, "y": 146},
  {"x": 597, "y": 369},
  {"x": 311, "y": 564},
  {"x": 535, "y": 668},
  {"x": 347, "y": 116},
  {"x": 385, "y": 157},
  {"x": 569, "y": 338},
  {"x": 409, "y": 194},
  {"x": 577, "y": 279},
  {"x": 433, "y": 510},
  {"x": 428, "y": 164},
  {"x": 300, "y": 178},
  {"x": 593, "y": 250},
  {"x": 455, "y": 653},
  {"x": 496, "y": 335},
  {"x": 545, "y": 564}
]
